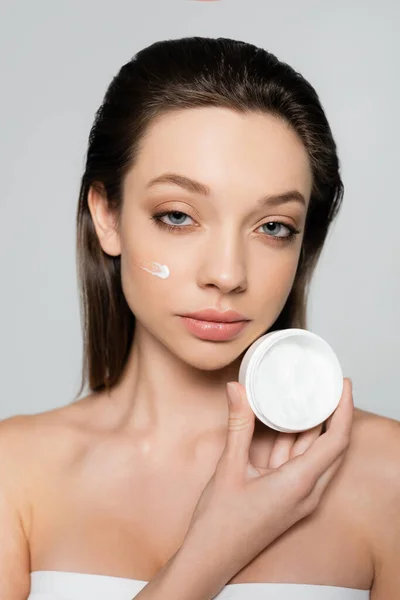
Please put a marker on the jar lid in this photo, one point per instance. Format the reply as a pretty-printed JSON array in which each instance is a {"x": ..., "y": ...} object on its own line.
[{"x": 293, "y": 379}]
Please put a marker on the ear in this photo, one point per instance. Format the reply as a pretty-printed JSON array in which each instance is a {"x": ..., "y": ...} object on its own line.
[{"x": 104, "y": 220}]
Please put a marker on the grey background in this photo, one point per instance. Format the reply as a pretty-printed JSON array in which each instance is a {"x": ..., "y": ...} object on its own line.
[{"x": 56, "y": 61}]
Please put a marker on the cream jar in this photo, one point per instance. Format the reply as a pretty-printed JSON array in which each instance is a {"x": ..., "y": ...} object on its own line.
[{"x": 293, "y": 379}]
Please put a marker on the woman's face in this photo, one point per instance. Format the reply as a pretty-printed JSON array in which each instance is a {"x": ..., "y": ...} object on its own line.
[{"x": 227, "y": 246}]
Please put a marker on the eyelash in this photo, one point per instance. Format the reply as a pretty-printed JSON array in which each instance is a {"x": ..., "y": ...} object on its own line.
[{"x": 157, "y": 220}]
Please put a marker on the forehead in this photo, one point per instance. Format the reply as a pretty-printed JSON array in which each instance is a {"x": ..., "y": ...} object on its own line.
[{"x": 226, "y": 150}]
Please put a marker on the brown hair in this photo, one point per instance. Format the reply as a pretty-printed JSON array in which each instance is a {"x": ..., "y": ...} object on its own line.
[{"x": 173, "y": 75}]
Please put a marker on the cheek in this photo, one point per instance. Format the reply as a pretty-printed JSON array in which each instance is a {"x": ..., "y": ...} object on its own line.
[
  {"x": 155, "y": 263},
  {"x": 142, "y": 245},
  {"x": 145, "y": 292},
  {"x": 274, "y": 277}
]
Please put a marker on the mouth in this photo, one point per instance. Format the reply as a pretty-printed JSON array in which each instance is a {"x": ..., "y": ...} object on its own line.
[
  {"x": 215, "y": 331},
  {"x": 216, "y": 316}
]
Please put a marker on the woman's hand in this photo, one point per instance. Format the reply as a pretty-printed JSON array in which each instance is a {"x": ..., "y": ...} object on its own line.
[{"x": 245, "y": 507}]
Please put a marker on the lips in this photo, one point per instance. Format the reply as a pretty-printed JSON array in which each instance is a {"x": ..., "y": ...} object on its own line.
[
  {"x": 211, "y": 314},
  {"x": 213, "y": 325}
]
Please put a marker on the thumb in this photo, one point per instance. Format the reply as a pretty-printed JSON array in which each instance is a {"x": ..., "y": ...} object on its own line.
[{"x": 241, "y": 424}]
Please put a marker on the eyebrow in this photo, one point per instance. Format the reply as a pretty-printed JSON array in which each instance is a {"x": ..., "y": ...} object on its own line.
[{"x": 200, "y": 188}]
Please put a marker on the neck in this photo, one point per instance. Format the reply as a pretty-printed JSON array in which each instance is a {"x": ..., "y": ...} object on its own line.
[{"x": 164, "y": 400}]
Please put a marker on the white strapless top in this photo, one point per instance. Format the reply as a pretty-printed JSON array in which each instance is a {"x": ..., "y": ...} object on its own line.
[{"x": 58, "y": 585}]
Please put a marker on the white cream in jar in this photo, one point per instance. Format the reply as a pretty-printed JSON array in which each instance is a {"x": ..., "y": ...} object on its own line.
[{"x": 293, "y": 379}]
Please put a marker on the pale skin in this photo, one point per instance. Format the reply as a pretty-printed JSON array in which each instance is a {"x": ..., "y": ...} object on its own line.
[{"x": 107, "y": 485}]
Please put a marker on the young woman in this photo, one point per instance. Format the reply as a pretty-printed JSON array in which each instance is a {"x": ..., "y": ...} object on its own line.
[{"x": 211, "y": 182}]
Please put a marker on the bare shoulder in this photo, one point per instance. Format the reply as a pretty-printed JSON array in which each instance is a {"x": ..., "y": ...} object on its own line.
[
  {"x": 372, "y": 466},
  {"x": 367, "y": 486},
  {"x": 371, "y": 477},
  {"x": 34, "y": 441},
  {"x": 30, "y": 445},
  {"x": 16, "y": 443},
  {"x": 374, "y": 480},
  {"x": 375, "y": 448},
  {"x": 18, "y": 440}
]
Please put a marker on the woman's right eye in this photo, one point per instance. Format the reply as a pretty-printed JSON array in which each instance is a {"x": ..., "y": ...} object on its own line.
[{"x": 176, "y": 219}]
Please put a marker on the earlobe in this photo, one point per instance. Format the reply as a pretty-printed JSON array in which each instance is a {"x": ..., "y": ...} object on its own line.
[{"x": 104, "y": 221}]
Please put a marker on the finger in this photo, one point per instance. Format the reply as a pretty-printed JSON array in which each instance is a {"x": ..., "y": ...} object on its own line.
[
  {"x": 324, "y": 451},
  {"x": 304, "y": 440},
  {"x": 261, "y": 445},
  {"x": 329, "y": 474},
  {"x": 241, "y": 423},
  {"x": 347, "y": 389},
  {"x": 324, "y": 481},
  {"x": 281, "y": 449}
]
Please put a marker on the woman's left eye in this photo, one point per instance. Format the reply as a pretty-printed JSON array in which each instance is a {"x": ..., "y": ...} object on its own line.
[{"x": 275, "y": 227}]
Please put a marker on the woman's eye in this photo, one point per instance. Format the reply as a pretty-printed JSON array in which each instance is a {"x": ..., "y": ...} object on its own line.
[
  {"x": 175, "y": 220},
  {"x": 275, "y": 229},
  {"x": 174, "y": 217}
]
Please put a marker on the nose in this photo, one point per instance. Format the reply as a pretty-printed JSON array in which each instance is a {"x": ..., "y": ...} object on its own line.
[{"x": 222, "y": 264}]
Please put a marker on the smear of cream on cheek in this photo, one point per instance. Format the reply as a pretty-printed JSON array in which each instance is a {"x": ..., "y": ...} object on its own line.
[{"x": 158, "y": 270}]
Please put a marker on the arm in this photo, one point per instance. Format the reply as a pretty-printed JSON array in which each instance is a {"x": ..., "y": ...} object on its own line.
[
  {"x": 183, "y": 577},
  {"x": 190, "y": 575},
  {"x": 386, "y": 530},
  {"x": 14, "y": 549}
]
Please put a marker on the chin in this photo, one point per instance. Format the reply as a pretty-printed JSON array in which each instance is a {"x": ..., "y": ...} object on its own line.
[
  {"x": 211, "y": 356},
  {"x": 210, "y": 361}
]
